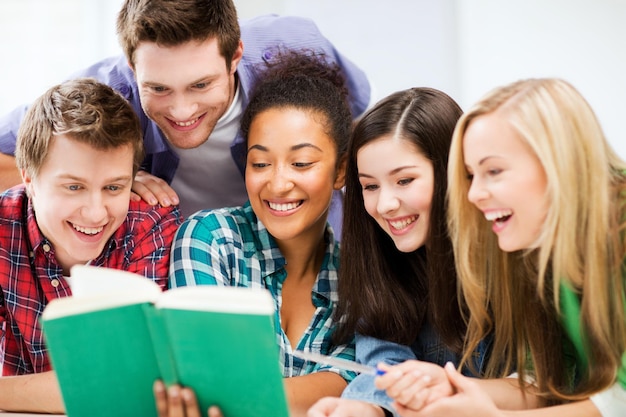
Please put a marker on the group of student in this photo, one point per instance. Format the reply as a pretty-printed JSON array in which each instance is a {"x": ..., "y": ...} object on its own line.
[{"x": 482, "y": 253}]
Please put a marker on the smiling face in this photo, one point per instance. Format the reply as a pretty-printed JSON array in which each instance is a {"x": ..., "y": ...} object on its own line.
[
  {"x": 185, "y": 89},
  {"x": 508, "y": 181},
  {"x": 397, "y": 182},
  {"x": 291, "y": 172},
  {"x": 81, "y": 197}
]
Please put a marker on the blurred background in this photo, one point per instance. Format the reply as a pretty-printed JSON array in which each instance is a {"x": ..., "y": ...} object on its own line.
[{"x": 463, "y": 47}]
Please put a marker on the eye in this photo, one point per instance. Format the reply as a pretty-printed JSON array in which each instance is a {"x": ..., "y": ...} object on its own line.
[
  {"x": 259, "y": 165},
  {"x": 494, "y": 171},
  {"x": 74, "y": 187},
  {"x": 200, "y": 86},
  {"x": 113, "y": 187},
  {"x": 302, "y": 164},
  {"x": 405, "y": 181},
  {"x": 370, "y": 187},
  {"x": 158, "y": 89}
]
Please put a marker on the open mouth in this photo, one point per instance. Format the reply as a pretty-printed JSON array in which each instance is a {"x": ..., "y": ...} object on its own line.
[
  {"x": 87, "y": 230},
  {"x": 404, "y": 223},
  {"x": 285, "y": 206},
  {"x": 499, "y": 217},
  {"x": 187, "y": 123}
]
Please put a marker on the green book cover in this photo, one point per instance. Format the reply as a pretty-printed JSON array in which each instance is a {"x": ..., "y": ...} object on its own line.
[{"x": 109, "y": 345}]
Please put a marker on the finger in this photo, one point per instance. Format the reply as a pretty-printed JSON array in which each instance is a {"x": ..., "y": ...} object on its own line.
[
  {"x": 405, "y": 382},
  {"x": 176, "y": 408},
  {"x": 192, "y": 409},
  {"x": 134, "y": 196},
  {"x": 160, "y": 396},
  {"x": 214, "y": 411},
  {"x": 415, "y": 395},
  {"x": 144, "y": 193},
  {"x": 458, "y": 381},
  {"x": 391, "y": 376}
]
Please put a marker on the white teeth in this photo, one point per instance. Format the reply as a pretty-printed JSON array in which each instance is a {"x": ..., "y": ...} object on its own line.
[
  {"x": 88, "y": 230},
  {"x": 498, "y": 214},
  {"x": 186, "y": 124},
  {"x": 283, "y": 207},
  {"x": 403, "y": 223}
]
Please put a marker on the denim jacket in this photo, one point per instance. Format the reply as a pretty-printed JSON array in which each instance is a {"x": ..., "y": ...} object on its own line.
[{"x": 428, "y": 347}]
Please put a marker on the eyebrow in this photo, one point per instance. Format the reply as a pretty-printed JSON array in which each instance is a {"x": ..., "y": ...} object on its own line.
[
  {"x": 392, "y": 172},
  {"x": 293, "y": 148},
  {"x": 110, "y": 180},
  {"x": 204, "y": 78}
]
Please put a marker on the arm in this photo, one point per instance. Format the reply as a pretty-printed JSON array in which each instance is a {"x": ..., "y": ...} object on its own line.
[
  {"x": 34, "y": 393},
  {"x": 9, "y": 124},
  {"x": 303, "y": 391},
  {"x": 9, "y": 175}
]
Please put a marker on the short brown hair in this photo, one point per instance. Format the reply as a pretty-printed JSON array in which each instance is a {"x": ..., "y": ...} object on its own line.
[
  {"x": 174, "y": 22},
  {"x": 83, "y": 109}
]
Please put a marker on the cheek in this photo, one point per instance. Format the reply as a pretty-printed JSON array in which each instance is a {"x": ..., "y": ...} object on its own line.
[{"x": 369, "y": 201}]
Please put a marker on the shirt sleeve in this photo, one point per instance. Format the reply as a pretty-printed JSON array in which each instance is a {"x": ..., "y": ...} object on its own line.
[
  {"x": 611, "y": 402},
  {"x": 150, "y": 256},
  {"x": 371, "y": 351},
  {"x": 198, "y": 258}
]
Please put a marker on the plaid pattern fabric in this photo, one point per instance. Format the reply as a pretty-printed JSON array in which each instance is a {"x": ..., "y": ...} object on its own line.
[
  {"x": 231, "y": 247},
  {"x": 30, "y": 275}
]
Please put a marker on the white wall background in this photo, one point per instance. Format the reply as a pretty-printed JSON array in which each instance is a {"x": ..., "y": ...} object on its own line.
[{"x": 463, "y": 47}]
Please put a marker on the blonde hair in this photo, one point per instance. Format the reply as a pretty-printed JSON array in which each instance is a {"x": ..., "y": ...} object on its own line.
[{"x": 515, "y": 296}]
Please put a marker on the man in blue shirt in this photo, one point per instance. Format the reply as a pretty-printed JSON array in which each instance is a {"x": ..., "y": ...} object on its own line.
[{"x": 188, "y": 70}]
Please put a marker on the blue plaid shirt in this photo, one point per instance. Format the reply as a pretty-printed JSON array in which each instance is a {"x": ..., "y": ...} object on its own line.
[{"x": 231, "y": 247}]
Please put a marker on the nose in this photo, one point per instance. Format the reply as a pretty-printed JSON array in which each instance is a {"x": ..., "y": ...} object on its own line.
[
  {"x": 94, "y": 210},
  {"x": 281, "y": 181},
  {"x": 477, "y": 192},
  {"x": 183, "y": 107},
  {"x": 387, "y": 201}
]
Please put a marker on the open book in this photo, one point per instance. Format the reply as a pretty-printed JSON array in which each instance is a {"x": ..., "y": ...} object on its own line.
[{"x": 118, "y": 333}]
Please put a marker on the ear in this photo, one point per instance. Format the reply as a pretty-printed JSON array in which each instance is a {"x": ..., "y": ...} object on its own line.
[
  {"x": 27, "y": 179},
  {"x": 236, "y": 57},
  {"x": 340, "y": 174}
]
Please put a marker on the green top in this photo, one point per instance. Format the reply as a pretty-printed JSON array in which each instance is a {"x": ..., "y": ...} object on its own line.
[{"x": 570, "y": 316}]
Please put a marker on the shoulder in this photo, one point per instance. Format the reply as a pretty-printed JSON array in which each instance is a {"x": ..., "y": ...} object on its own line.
[
  {"x": 278, "y": 26},
  {"x": 265, "y": 36},
  {"x": 224, "y": 224},
  {"x": 144, "y": 218},
  {"x": 12, "y": 203}
]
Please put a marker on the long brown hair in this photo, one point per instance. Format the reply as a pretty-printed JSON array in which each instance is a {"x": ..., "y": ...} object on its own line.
[{"x": 383, "y": 292}]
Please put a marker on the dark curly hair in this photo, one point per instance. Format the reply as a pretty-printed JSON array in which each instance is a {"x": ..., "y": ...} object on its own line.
[{"x": 303, "y": 80}]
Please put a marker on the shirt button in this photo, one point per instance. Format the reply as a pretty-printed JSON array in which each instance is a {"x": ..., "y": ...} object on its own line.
[
  {"x": 54, "y": 283},
  {"x": 46, "y": 247}
]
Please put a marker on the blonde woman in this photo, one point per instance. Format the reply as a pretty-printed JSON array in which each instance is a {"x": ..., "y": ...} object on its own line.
[{"x": 537, "y": 218}]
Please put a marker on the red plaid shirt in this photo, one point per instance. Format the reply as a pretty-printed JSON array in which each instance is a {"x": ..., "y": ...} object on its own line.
[{"x": 30, "y": 275}]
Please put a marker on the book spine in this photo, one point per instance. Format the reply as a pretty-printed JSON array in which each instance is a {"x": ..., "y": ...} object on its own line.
[{"x": 162, "y": 349}]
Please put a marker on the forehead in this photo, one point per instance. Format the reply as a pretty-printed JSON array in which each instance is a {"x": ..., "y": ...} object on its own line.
[
  {"x": 395, "y": 147},
  {"x": 191, "y": 59},
  {"x": 85, "y": 156},
  {"x": 286, "y": 127}
]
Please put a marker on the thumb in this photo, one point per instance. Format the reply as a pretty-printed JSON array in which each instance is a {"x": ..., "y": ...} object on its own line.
[{"x": 458, "y": 381}]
